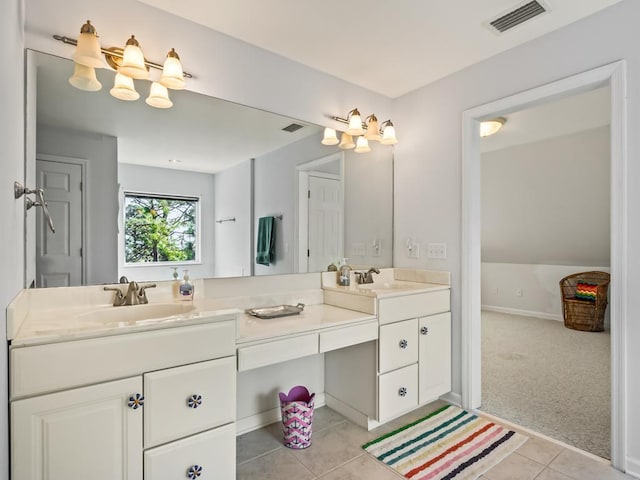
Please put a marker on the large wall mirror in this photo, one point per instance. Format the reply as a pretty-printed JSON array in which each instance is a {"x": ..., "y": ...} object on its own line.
[{"x": 138, "y": 191}]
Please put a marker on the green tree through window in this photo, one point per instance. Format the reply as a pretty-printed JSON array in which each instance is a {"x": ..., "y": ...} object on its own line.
[{"x": 159, "y": 229}]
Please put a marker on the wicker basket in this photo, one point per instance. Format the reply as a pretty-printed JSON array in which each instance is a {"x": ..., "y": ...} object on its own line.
[{"x": 579, "y": 314}]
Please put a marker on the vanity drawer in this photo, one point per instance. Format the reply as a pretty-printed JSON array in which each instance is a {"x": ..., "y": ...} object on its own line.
[
  {"x": 398, "y": 345},
  {"x": 255, "y": 356},
  {"x": 213, "y": 451},
  {"x": 185, "y": 400},
  {"x": 409, "y": 306},
  {"x": 57, "y": 366},
  {"x": 347, "y": 336},
  {"x": 397, "y": 392}
]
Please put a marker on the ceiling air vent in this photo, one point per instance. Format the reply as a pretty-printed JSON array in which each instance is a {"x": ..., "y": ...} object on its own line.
[
  {"x": 292, "y": 128},
  {"x": 518, "y": 16}
]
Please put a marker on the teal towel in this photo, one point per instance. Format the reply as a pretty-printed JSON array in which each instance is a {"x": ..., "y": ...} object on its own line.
[{"x": 266, "y": 246}]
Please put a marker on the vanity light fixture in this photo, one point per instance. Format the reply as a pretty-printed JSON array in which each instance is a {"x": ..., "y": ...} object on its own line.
[
  {"x": 489, "y": 127},
  {"x": 129, "y": 64},
  {"x": 370, "y": 130}
]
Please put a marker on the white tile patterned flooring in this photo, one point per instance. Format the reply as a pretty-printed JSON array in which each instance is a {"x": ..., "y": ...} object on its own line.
[{"x": 336, "y": 454}]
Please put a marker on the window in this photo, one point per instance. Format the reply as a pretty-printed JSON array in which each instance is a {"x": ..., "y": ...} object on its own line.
[{"x": 160, "y": 228}]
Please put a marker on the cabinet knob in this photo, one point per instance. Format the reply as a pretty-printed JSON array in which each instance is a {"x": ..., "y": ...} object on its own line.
[
  {"x": 424, "y": 330},
  {"x": 136, "y": 401},
  {"x": 194, "y": 401},
  {"x": 194, "y": 471},
  {"x": 403, "y": 343},
  {"x": 402, "y": 392}
]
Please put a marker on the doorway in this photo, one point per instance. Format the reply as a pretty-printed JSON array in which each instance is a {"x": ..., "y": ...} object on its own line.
[
  {"x": 59, "y": 258},
  {"x": 320, "y": 213},
  {"x": 614, "y": 76}
]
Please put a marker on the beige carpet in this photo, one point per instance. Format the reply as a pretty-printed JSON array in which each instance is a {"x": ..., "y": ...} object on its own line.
[{"x": 553, "y": 380}]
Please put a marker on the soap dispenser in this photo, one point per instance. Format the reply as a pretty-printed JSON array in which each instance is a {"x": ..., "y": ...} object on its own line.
[
  {"x": 175, "y": 286},
  {"x": 344, "y": 278},
  {"x": 186, "y": 287}
]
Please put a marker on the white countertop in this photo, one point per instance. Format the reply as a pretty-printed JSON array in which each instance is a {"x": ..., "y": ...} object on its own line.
[
  {"x": 395, "y": 288},
  {"x": 312, "y": 318},
  {"x": 64, "y": 324}
]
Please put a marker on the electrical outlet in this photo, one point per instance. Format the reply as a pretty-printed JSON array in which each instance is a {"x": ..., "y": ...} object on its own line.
[
  {"x": 357, "y": 250},
  {"x": 518, "y": 292},
  {"x": 437, "y": 250}
]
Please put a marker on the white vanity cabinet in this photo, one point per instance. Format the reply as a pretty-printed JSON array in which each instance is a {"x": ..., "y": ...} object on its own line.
[{"x": 175, "y": 415}]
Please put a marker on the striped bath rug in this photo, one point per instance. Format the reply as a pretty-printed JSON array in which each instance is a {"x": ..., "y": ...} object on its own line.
[{"x": 449, "y": 443}]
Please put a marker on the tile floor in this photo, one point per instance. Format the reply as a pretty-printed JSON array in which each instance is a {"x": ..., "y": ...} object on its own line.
[{"x": 336, "y": 454}]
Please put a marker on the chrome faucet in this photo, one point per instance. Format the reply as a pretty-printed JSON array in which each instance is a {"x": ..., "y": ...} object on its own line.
[
  {"x": 135, "y": 294},
  {"x": 366, "y": 277}
]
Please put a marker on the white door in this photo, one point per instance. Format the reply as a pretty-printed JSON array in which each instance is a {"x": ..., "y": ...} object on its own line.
[
  {"x": 59, "y": 255},
  {"x": 434, "y": 374},
  {"x": 325, "y": 222},
  {"x": 84, "y": 433}
]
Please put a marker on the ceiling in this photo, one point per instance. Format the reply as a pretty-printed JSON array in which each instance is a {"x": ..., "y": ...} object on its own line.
[
  {"x": 198, "y": 133},
  {"x": 391, "y": 49}
]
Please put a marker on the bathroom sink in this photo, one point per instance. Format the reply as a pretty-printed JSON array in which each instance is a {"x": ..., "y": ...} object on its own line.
[{"x": 136, "y": 313}]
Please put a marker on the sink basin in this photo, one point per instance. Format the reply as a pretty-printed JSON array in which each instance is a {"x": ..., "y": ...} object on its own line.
[{"x": 136, "y": 313}]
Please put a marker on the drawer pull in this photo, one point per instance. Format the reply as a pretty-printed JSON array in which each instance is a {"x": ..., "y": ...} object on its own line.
[
  {"x": 194, "y": 471},
  {"x": 424, "y": 330},
  {"x": 136, "y": 401},
  {"x": 402, "y": 392},
  {"x": 403, "y": 343},
  {"x": 194, "y": 401}
]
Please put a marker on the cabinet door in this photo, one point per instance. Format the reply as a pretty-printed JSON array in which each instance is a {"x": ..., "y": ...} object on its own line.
[
  {"x": 207, "y": 456},
  {"x": 82, "y": 433},
  {"x": 190, "y": 399},
  {"x": 398, "y": 392},
  {"x": 434, "y": 373}
]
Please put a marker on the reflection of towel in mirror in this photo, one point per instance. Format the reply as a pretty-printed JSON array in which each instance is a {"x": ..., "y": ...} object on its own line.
[{"x": 266, "y": 245}]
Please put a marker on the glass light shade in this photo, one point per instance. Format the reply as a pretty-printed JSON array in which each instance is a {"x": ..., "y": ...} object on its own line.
[
  {"x": 124, "y": 89},
  {"x": 373, "y": 130},
  {"x": 355, "y": 124},
  {"x": 88, "y": 49},
  {"x": 492, "y": 126},
  {"x": 389, "y": 135},
  {"x": 159, "y": 96},
  {"x": 330, "y": 137},
  {"x": 346, "y": 141},
  {"x": 172, "y": 74},
  {"x": 362, "y": 145},
  {"x": 133, "y": 61},
  {"x": 84, "y": 78}
]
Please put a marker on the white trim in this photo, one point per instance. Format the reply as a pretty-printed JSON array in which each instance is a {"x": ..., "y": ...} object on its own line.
[
  {"x": 523, "y": 313},
  {"x": 262, "y": 419},
  {"x": 613, "y": 74},
  {"x": 633, "y": 467},
  {"x": 453, "y": 398}
]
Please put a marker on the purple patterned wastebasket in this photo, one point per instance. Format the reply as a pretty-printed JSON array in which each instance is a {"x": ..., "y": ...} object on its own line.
[{"x": 297, "y": 417}]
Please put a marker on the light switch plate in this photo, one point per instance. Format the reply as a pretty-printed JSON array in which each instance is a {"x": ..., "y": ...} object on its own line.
[
  {"x": 357, "y": 250},
  {"x": 413, "y": 250},
  {"x": 437, "y": 250}
]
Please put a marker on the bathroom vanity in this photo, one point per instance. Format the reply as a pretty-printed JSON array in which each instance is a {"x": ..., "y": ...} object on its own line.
[{"x": 150, "y": 391}]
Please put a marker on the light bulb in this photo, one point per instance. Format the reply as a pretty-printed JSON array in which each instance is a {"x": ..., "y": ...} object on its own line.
[
  {"x": 373, "y": 130},
  {"x": 172, "y": 74},
  {"x": 88, "y": 48},
  {"x": 123, "y": 88},
  {"x": 389, "y": 134},
  {"x": 133, "y": 61},
  {"x": 159, "y": 96},
  {"x": 330, "y": 137},
  {"x": 84, "y": 78},
  {"x": 346, "y": 142},
  {"x": 355, "y": 123},
  {"x": 362, "y": 145}
]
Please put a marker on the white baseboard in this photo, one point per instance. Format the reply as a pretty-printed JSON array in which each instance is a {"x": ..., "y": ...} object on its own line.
[
  {"x": 262, "y": 419},
  {"x": 523, "y": 313},
  {"x": 350, "y": 413},
  {"x": 633, "y": 467},
  {"x": 453, "y": 398}
]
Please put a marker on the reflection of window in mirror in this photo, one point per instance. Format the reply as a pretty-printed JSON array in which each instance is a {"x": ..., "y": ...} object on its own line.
[{"x": 160, "y": 228}]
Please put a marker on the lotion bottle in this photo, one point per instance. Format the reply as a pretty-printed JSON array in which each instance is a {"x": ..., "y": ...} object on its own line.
[{"x": 186, "y": 287}]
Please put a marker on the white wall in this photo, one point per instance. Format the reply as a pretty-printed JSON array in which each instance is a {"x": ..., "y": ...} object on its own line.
[
  {"x": 233, "y": 196},
  {"x": 140, "y": 179},
  {"x": 538, "y": 286},
  {"x": 428, "y": 160},
  {"x": 11, "y": 169},
  {"x": 547, "y": 202},
  {"x": 100, "y": 152}
]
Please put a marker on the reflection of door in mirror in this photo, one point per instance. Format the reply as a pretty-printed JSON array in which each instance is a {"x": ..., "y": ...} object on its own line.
[
  {"x": 59, "y": 257},
  {"x": 325, "y": 221}
]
